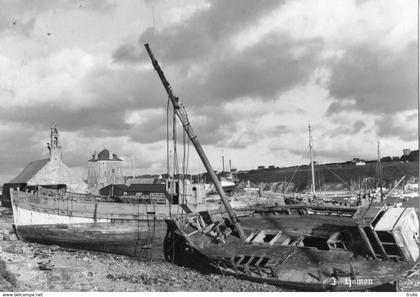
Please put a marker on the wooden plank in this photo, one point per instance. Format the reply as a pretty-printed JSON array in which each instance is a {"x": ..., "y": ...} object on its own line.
[
  {"x": 383, "y": 252},
  {"x": 86, "y": 208},
  {"x": 367, "y": 242},
  {"x": 275, "y": 238},
  {"x": 294, "y": 225},
  {"x": 250, "y": 237},
  {"x": 389, "y": 219}
]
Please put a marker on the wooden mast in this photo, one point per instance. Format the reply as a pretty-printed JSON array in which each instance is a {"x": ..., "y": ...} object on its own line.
[
  {"x": 223, "y": 163},
  {"x": 183, "y": 117},
  {"x": 312, "y": 162},
  {"x": 380, "y": 171}
]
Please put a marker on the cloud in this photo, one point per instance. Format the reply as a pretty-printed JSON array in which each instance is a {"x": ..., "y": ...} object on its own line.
[
  {"x": 250, "y": 74},
  {"x": 263, "y": 71},
  {"x": 397, "y": 126},
  {"x": 41, "y": 6},
  {"x": 128, "y": 53},
  {"x": 207, "y": 69},
  {"x": 278, "y": 131},
  {"x": 376, "y": 80},
  {"x": 357, "y": 126},
  {"x": 20, "y": 145},
  {"x": 20, "y": 16},
  {"x": 22, "y": 26},
  {"x": 202, "y": 33}
]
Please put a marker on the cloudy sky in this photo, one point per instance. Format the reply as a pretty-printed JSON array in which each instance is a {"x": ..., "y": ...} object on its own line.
[{"x": 251, "y": 75}]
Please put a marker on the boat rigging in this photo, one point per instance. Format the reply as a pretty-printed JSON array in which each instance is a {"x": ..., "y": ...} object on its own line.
[{"x": 183, "y": 117}]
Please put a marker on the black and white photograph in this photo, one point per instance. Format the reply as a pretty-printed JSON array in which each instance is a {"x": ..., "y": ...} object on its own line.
[{"x": 209, "y": 146}]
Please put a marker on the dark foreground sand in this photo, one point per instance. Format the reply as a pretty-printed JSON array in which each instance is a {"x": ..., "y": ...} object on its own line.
[{"x": 35, "y": 267}]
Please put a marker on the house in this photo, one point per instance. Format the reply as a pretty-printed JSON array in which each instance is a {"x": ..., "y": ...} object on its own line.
[
  {"x": 104, "y": 168},
  {"x": 411, "y": 187},
  {"x": 149, "y": 192},
  {"x": 50, "y": 172},
  {"x": 114, "y": 190},
  {"x": 358, "y": 162},
  {"x": 143, "y": 180},
  {"x": 146, "y": 189}
]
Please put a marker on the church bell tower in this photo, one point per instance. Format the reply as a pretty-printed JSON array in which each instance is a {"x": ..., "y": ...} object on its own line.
[{"x": 54, "y": 144}]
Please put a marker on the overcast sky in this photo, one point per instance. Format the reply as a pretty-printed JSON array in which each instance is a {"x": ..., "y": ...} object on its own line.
[{"x": 251, "y": 75}]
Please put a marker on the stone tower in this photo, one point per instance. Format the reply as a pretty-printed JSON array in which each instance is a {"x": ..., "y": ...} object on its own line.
[
  {"x": 54, "y": 144},
  {"x": 104, "y": 168}
]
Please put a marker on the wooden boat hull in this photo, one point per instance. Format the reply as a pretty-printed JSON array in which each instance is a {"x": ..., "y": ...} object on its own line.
[
  {"x": 84, "y": 223},
  {"x": 311, "y": 266},
  {"x": 135, "y": 239},
  {"x": 305, "y": 269}
]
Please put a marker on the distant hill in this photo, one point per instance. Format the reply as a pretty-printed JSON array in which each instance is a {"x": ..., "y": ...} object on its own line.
[
  {"x": 334, "y": 176},
  {"x": 329, "y": 177}
]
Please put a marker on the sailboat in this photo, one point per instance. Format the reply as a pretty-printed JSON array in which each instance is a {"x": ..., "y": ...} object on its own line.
[
  {"x": 228, "y": 178},
  {"x": 305, "y": 247},
  {"x": 312, "y": 163}
]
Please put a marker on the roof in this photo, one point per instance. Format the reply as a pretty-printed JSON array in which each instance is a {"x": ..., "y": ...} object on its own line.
[
  {"x": 142, "y": 180},
  {"x": 104, "y": 155},
  {"x": 119, "y": 186},
  {"x": 155, "y": 188},
  {"x": 29, "y": 171}
]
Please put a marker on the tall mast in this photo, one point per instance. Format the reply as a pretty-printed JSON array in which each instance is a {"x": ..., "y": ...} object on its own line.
[
  {"x": 134, "y": 167},
  {"x": 312, "y": 161},
  {"x": 380, "y": 171},
  {"x": 183, "y": 117},
  {"x": 223, "y": 162}
]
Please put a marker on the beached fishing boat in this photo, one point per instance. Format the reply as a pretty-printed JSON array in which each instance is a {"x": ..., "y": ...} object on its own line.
[
  {"x": 306, "y": 247},
  {"x": 135, "y": 227}
]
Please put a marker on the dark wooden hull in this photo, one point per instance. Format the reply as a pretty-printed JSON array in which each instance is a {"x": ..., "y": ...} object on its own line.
[
  {"x": 142, "y": 239},
  {"x": 306, "y": 269},
  {"x": 312, "y": 266}
]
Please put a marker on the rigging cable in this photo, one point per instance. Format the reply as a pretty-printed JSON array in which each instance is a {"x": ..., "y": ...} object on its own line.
[
  {"x": 176, "y": 163},
  {"x": 319, "y": 178},
  {"x": 183, "y": 170},
  {"x": 293, "y": 176},
  {"x": 167, "y": 159},
  {"x": 336, "y": 176},
  {"x": 309, "y": 180}
]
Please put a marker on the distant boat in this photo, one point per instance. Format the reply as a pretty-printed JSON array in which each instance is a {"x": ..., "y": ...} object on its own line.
[{"x": 228, "y": 180}]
